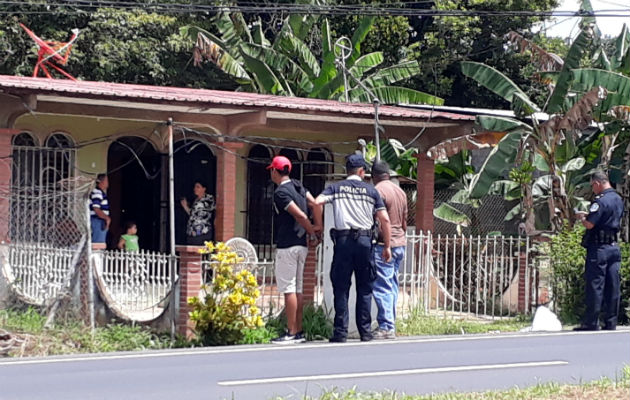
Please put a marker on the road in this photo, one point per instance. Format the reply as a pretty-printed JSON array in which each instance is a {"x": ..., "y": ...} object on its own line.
[{"x": 410, "y": 365}]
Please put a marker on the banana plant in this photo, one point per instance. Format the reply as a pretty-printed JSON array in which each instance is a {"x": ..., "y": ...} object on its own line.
[{"x": 285, "y": 65}]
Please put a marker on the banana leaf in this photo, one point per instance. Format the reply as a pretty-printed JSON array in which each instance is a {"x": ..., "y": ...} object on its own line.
[
  {"x": 499, "y": 160},
  {"x": 448, "y": 213},
  {"x": 496, "y": 82},
  {"x": 618, "y": 86},
  {"x": 395, "y": 73},
  {"x": 556, "y": 102},
  {"x": 394, "y": 95}
]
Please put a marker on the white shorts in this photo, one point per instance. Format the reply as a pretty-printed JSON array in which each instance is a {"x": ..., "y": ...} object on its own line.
[{"x": 290, "y": 269}]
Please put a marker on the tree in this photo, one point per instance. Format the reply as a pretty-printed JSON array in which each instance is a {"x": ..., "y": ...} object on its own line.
[
  {"x": 551, "y": 146},
  {"x": 285, "y": 65},
  {"x": 114, "y": 45},
  {"x": 439, "y": 44}
]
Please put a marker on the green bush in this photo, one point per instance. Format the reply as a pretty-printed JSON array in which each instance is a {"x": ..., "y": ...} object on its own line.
[
  {"x": 567, "y": 258},
  {"x": 315, "y": 323}
]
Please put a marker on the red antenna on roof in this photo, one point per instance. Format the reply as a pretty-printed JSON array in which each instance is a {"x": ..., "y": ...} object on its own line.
[{"x": 52, "y": 54}]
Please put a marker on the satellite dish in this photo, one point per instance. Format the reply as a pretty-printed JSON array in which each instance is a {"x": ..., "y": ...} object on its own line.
[{"x": 244, "y": 249}]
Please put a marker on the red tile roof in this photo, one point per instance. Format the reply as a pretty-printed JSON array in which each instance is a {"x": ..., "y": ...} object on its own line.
[{"x": 163, "y": 94}]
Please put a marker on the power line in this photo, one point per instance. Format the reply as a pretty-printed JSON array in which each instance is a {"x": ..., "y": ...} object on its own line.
[{"x": 81, "y": 6}]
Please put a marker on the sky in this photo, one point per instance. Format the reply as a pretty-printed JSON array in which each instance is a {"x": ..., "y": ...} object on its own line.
[{"x": 565, "y": 27}]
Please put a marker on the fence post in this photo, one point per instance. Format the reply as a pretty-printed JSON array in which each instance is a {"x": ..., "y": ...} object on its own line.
[
  {"x": 425, "y": 193},
  {"x": 190, "y": 278},
  {"x": 522, "y": 282}
]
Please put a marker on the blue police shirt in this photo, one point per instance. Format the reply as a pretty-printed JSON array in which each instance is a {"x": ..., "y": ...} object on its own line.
[
  {"x": 354, "y": 203},
  {"x": 606, "y": 211}
]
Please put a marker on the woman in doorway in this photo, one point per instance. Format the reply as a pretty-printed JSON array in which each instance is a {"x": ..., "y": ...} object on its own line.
[{"x": 200, "y": 215}]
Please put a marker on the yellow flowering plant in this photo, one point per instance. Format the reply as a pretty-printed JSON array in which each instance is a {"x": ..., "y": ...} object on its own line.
[{"x": 228, "y": 305}]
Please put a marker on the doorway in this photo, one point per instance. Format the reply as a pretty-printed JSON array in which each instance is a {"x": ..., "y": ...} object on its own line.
[
  {"x": 193, "y": 161},
  {"x": 135, "y": 176}
]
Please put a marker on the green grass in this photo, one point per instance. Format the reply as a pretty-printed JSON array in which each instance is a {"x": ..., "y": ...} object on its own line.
[
  {"x": 418, "y": 323},
  {"x": 71, "y": 336},
  {"x": 603, "y": 389}
]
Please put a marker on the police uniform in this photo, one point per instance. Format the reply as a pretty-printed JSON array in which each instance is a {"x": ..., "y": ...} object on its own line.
[
  {"x": 354, "y": 205},
  {"x": 603, "y": 261}
]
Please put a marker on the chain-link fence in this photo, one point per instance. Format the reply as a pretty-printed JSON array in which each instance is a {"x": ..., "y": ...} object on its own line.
[{"x": 488, "y": 217}]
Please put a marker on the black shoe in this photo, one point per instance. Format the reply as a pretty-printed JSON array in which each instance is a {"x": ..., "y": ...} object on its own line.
[
  {"x": 367, "y": 338},
  {"x": 284, "y": 339},
  {"x": 337, "y": 339},
  {"x": 583, "y": 328},
  {"x": 610, "y": 328},
  {"x": 299, "y": 337}
]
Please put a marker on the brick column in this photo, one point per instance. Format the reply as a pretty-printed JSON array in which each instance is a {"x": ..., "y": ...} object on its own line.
[
  {"x": 424, "y": 197},
  {"x": 226, "y": 191},
  {"x": 6, "y": 137},
  {"x": 310, "y": 275},
  {"x": 190, "y": 277}
]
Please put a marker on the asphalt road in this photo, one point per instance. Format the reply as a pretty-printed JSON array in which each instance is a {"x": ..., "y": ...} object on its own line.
[{"x": 411, "y": 365}]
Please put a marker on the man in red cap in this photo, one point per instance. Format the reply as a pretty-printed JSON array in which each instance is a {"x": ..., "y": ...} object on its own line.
[{"x": 290, "y": 202}]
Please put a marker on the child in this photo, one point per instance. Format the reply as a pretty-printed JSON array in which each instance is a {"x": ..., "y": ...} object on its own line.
[{"x": 129, "y": 241}]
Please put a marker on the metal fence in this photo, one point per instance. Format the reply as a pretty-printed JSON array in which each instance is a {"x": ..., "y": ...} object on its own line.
[
  {"x": 458, "y": 275},
  {"x": 135, "y": 285},
  {"x": 468, "y": 275},
  {"x": 38, "y": 273}
]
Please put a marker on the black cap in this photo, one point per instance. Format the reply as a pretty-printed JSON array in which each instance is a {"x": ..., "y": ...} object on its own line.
[{"x": 355, "y": 161}]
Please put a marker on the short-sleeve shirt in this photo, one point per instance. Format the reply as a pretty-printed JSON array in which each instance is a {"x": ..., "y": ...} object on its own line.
[
  {"x": 606, "y": 211},
  {"x": 98, "y": 199},
  {"x": 200, "y": 220},
  {"x": 395, "y": 201},
  {"x": 289, "y": 232},
  {"x": 354, "y": 203},
  {"x": 131, "y": 242}
]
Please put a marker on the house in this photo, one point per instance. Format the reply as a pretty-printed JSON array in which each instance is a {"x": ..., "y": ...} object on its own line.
[
  {"x": 223, "y": 137},
  {"x": 53, "y": 132}
]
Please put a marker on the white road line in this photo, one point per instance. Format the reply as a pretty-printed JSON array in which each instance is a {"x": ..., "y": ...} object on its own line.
[
  {"x": 391, "y": 373},
  {"x": 266, "y": 348}
]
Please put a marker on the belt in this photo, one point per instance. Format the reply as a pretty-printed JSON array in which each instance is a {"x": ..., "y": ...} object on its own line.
[{"x": 347, "y": 232}]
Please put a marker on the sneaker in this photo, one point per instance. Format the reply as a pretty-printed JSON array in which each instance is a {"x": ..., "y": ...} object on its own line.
[
  {"x": 383, "y": 334},
  {"x": 284, "y": 339},
  {"x": 299, "y": 337}
]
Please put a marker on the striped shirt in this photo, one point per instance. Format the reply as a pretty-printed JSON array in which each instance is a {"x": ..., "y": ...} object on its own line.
[
  {"x": 354, "y": 203},
  {"x": 98, "y": 199}
]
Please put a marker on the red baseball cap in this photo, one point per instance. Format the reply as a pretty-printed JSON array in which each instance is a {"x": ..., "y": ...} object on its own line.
[{"x": 280, "y": 163}]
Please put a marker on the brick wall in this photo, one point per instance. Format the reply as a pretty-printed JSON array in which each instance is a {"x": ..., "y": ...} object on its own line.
[
  {"x": 226, "y": 191},
  {"x": 190, "y": 277}
]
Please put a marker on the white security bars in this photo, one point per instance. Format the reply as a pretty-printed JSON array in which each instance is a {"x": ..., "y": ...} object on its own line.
[{"x": 135, "y": 285}]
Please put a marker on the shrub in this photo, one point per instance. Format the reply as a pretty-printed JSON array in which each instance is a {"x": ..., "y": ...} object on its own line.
[
  {"x": 227, "y": 308},
  {"x": 315, "y": 323},
  {"x": 567, "y": 265}
]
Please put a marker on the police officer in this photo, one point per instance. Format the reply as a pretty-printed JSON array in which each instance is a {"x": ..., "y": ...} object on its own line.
[
  {"x": 603, "y": 258},
  {"x": 355, "y": 206}
]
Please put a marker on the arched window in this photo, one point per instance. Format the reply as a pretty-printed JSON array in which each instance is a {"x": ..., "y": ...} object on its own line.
[
  {"x": 59, "y": 141},
  {"x": 24, "y": 139},
  {"x": 260, "y": 190},
  {"x": 296, "y": 162},
  {"x": 59, "y": 162},
  {"x": 317, "y": 168}
]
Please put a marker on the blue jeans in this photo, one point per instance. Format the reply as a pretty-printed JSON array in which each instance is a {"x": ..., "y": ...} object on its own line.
[
  {"x": 386, "y": 286},
  {"x": 99, "y": 232}
]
